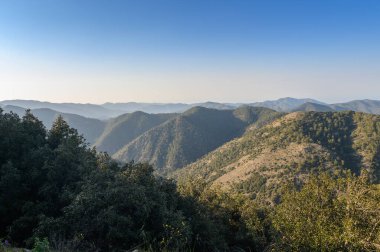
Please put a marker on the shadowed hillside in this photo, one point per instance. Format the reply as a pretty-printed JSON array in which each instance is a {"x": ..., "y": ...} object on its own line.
[
  {"x": 191, "y": 135},
  {"x": 123, "y": 129}
]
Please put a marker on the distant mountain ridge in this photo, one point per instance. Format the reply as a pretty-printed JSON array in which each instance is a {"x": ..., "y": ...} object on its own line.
[
  {"x": 111, "y": 110},
  {"x": 366, "y": 106},
  {"x": 86, "y": 110},
  {"x": 89, "y": 127},
  {"x": 310, "y": 106},
  {"x": 285, "y": 104}
]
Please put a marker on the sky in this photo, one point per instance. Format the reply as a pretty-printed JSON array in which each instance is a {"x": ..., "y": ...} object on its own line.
[{"x": 96, "y": 51}]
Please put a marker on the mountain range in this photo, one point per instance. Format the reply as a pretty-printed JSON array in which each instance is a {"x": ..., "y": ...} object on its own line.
[
  {"x": 172, "y": 136},
  {"x": 111, "y": 110}
]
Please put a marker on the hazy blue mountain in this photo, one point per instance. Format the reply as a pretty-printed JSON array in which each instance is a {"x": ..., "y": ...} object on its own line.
[
  {"x": 191, "y": 135},
  {"x": 90, "y": 128},
  {"x": 309, "y": 106},
  {"x": 86, "y": 110},
  {"x": 284, "y": 104},
  {"x": 163, "y": 107},
  {"x": 112, "y": 110},
  {"x": 147, "y": 107},
  {"x": 367, "y": 106},
  {"x": 123, "y": 129},
  {"x": 214, "y": 105}
]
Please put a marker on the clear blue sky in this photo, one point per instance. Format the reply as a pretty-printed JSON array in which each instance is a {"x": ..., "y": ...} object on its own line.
[{"x": 188, "y": 51}]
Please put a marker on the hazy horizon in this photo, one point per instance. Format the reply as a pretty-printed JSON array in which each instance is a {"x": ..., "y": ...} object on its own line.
[
  {"x": 172, "y": 51},
  {"x": 191, "y": 102}
]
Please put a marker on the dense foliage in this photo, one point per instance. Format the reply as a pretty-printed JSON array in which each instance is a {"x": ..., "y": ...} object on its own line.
[{"x": 52, "y": 185}]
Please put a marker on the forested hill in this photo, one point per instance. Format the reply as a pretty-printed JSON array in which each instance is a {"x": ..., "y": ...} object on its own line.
[
  {"x": 191, "y": 135},
  {"x": 289, "y": 149}
]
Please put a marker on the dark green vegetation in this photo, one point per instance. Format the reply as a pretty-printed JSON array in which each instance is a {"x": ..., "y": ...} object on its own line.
[
  {"x": 191, "y": 135},
  {"x": 301, "y": 182},
  {"x": 52, "y": 185}
]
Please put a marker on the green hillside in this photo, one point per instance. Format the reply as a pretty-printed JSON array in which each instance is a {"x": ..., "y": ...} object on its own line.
[
  {"x": 123, "y": 129},
  {"x": 191, "y": 135},
  {"x": 289, "y": 149}
]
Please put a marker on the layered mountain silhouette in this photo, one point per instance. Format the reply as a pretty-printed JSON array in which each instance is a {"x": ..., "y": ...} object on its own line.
[
  {"x": 285, "y": 104},
  {"x": 86, "y": 110},
  {"x": 111, "y": 110},
  {"x": 171, "y": 141},
  {"x": 191, "y": 135}
]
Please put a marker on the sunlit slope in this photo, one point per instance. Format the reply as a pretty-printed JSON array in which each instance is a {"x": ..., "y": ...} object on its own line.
[{"x": 289, "y": 149}]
